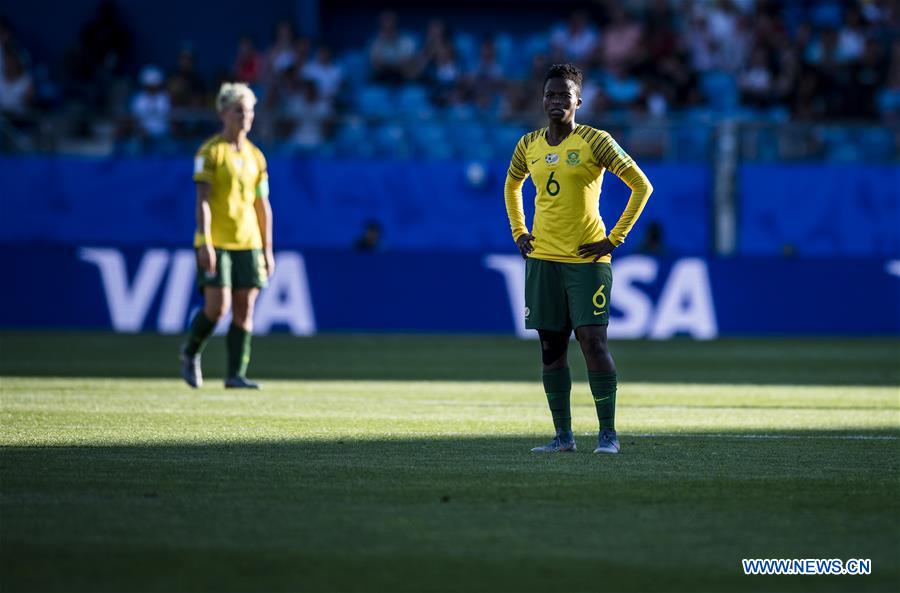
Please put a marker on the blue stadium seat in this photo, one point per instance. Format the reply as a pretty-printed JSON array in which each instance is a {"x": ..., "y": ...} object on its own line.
[
  {"x": 352, "y": 140},
  {"x": 413, "y": 101},
  {"x": 720, "y": 90},
  {"x": 356, "y": 68},
  {"x": 841, "y": 145},
  {"x": 504, "y": 139},
  {"x": 429, "y": 140},
  {"x": 391, "y": 141},
  {"x": 466, "y": 46},
  {"x": 537, "y": 44},
  {"x": 467, "y": 138},
  {"x": 877, "y": 144},
  {"x": 375, "y": 101},
  {"x": 691, "y": 143}
]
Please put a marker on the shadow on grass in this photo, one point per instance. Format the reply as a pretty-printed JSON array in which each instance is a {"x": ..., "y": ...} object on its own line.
[
  {"x": 449, "y": 514},
  {"x": 460, "y": 358}
]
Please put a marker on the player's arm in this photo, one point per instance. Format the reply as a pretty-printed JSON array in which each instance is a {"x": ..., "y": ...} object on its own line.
[
  {"x": 206, "y": 253},
  {"x": 264, "y": 219},
  {"x": 610, "y": 155},
  {"x": 512, "y": 193}
]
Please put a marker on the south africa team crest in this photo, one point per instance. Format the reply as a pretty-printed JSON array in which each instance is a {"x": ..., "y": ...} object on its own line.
[{"x": 573, "y": 157}]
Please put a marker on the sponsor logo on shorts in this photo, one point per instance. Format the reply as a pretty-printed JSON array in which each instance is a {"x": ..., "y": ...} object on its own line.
[{"x": 527, "y": 312}]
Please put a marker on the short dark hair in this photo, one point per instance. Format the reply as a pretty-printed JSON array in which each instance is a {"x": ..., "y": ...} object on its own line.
[{"x": 566, "y": 72}]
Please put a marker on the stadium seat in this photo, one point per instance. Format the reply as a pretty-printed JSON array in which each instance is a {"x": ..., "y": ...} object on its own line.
[
  {"x": 413, "y": 102},
  {"x": 375, "y": 101},
  {"x": 356, "y": 68},
  {"x": 352, "y": 140},
  {"x": 466, "y": 46},
  {"x": 841, "y": 145},
  {"x": 877, "y": 144},
  {"x": 391, "y": 141},
  {"x": 429, "y": 140},
  {"x": 720, "y": 90}
]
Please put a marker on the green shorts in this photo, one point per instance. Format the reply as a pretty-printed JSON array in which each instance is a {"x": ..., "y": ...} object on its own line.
[
  {"x": 245, "y": 268},
  {"x": 562, "y": 297}
]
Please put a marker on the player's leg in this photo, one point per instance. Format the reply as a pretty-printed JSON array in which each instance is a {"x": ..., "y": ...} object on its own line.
[
  {"x": 216, "y": 301},
  {"x": 239, "y": 336},
  {"x": 546, "y": 311},
  {"x": 590, "y": 286},
  {"x": 248, "y": 277}
]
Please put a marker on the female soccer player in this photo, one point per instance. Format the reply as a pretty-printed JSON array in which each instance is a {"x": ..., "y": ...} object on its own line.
[
  {"x": 233, "y": 238},
  {"x": 567, "y": 270}
]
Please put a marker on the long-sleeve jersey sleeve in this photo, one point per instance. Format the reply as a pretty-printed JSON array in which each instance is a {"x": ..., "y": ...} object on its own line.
[
  {"x": 512, "y": 190},
  {"x": 610, "y": 155},
  {"x": 641, "y": 189}
]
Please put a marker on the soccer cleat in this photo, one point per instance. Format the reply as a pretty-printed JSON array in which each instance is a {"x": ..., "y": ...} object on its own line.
[
  {"x": 563, "y": 442},
  {"x": 190, "y": 369},
  {"x": 240, "y": 383},
  {"x": 607, "y": 442}
]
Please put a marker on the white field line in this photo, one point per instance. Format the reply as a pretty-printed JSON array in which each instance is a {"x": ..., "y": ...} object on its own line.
[{"x": 774, "y": 437}]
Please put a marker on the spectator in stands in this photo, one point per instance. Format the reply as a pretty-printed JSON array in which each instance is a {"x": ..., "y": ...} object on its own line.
[
  {"x": 435, "y": 40},
  {"x": 700, "y": 44},
  {"x": 660, "y": 40},
  {"x": 756, "y": 81},
  {"x": 868, "y": 76},
  {"x": 488, "y": 73},
  {"x": 106, "y": 39},
  {"x": 575, "y": 41},
  {"x": 309, "y": 115},
  {"x": 789, "y": 63},
  {"x": 151, "y": 106},
  {"x": 16, "y": 86},
  {"x": 185, "y": 85},
  {"x": 679, "y": 80},
  {"x": 325, "y": 73},
  {"x": 282, "y": 56},
  {"x": 621, "y": 43},
  {"x": 851, "y": 40},
  {"x": 444, "y": 78},
  {"x": 248, "y": 66},
  {"x": 392, "y": 53}
]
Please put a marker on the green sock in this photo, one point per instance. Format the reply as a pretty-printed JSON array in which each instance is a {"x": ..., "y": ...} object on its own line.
[
  {"x": 603, "y": 388},
  {"x": 201, "y": 329},
  {"x": 238, "y": 345},
  {"x": 558, "y": 386}
]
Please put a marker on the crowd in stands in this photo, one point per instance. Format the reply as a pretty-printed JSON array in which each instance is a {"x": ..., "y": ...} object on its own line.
[{"x": 768, "y": 60}]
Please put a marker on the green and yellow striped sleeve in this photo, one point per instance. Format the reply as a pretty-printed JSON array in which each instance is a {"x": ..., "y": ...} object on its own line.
[
  {"x": 512, "y": 189},
  {"x": 641, "y": 189}
]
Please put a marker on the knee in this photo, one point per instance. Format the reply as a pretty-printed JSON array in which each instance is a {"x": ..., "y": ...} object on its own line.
[
  {"x": 594, "y": 346},
  {"x": 554, "y": 346},
  {"x": 215, "y": 311}
]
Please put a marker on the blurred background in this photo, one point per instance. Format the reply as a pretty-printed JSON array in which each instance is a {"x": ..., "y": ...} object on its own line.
[{"x": 770, "y": 130}]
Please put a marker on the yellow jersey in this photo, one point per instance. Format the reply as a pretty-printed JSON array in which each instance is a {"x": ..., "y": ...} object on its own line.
[
  {"x": 568, "y": 177},
  {"x": 236, "y": 178}
]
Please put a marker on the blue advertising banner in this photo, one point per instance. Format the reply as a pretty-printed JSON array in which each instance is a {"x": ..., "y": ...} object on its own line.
[
  {"x": 133, "y": 289},
  {"x": 321, "y": 204}
]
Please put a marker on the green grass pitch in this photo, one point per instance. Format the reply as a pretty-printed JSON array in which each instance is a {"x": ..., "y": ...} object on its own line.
[{"x": 388, "y": 463}]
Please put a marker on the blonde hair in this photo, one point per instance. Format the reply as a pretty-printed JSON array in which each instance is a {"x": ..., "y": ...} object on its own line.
[{"x": 232, "y": 92}]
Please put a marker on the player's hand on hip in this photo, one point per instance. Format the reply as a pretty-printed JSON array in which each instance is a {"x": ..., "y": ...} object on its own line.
[
  {"x": 524, "y": 244},
  {"x": 206, "y": 256},
  {"x": 270, "y": 261},
  {"x": 596, "y": 250}
]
